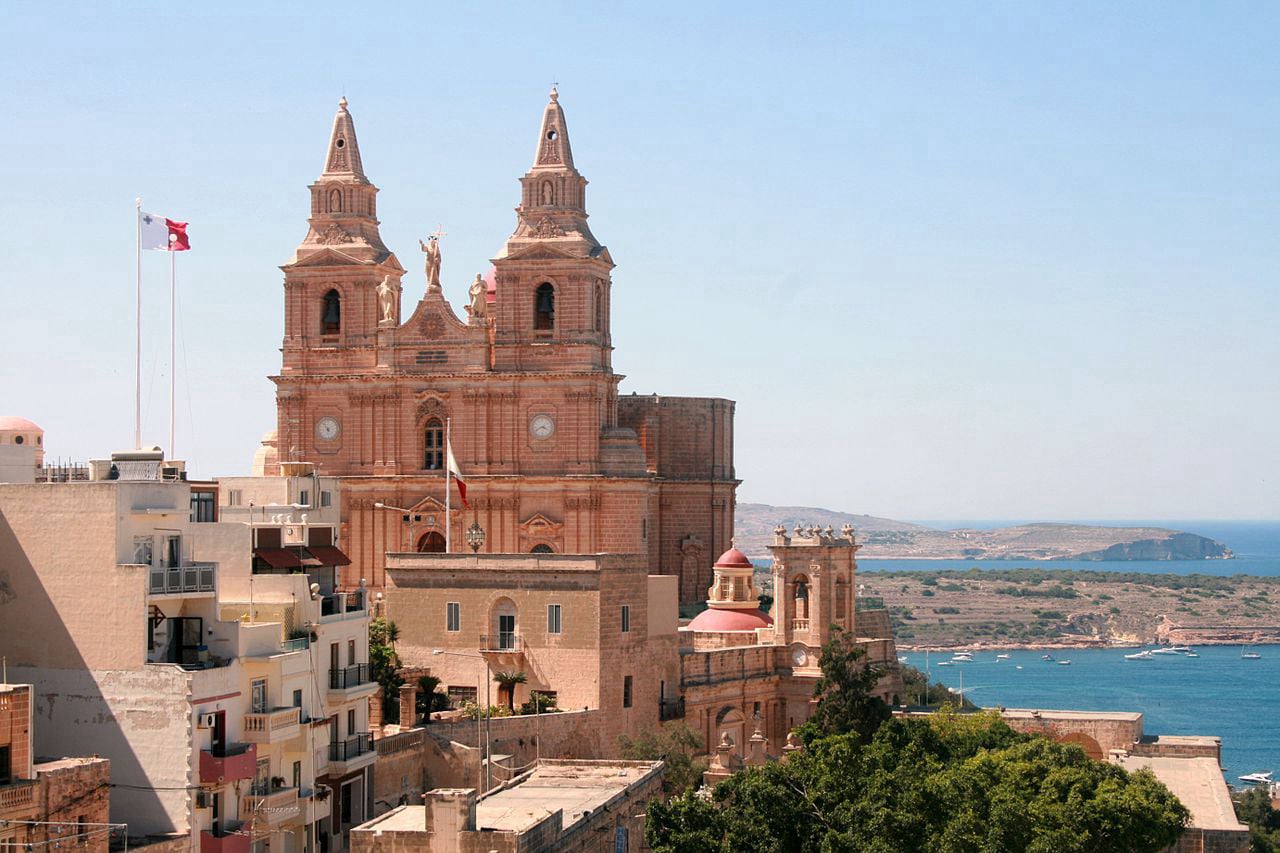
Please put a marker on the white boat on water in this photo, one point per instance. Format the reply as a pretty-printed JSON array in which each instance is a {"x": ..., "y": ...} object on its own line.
[
  {"x": 1002, "y": 657},
  {"x": 944, "y": 663},
  {"x": 1163, "y": 652},
  {"x": 1046, "y": 657},
  {"x": 902, "y": 659},
  {"x": 1246, "y": 655},
  {"x": 1192, "y": 655},
  {"x": 1185, "y": 650},
  {"x": 1144, "y": 655},
  {"x": 1064, "y": 663},
  {"x": 1257, "y": 778}
]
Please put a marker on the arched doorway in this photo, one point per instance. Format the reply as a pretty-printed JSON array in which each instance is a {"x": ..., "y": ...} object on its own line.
[
  {"x": 1090, "y": 746},
  {"x": 732, "y": 722},
  {"x": 431, "y": 542}
]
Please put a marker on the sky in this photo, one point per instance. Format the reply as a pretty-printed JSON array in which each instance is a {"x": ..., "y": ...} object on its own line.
[{"x": 952, "y": 260}]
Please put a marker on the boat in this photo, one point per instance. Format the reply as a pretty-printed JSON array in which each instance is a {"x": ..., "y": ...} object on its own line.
[
  {"x": 1257, "y": 778},
  {"x": 1046, "y": 657},
  {"x": 962, "y": 656},
  {"x": 1064, "y": 663},
  {"x": 1186, "y": 650},
  {"x": 944, "y": 663},
  {"x": 1139, "y": 656},
  {"x": 902, "y": 659},
  {"x": 1163, "y": 652},
  {"x": 1002, "y": 657},
  {"x": 1192, "y": 655},
  {"x": 1019, "y": 666},
  {"x": 1244, "y": 655}
]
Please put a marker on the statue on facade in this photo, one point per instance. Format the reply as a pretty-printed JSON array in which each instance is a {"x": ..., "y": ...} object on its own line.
[
  {"x": 432, "y": 250},
  {"x": 479, "y": 293},
  {"x": 388, "y": 293}
]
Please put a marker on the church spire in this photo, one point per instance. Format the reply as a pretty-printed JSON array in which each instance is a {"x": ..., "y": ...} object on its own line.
[
  {"x": 553, "y": 141},
  {"x": 343, "y": 160}
]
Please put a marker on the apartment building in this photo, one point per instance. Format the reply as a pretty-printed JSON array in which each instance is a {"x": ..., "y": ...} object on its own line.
[{"x": 218, "y": 664}]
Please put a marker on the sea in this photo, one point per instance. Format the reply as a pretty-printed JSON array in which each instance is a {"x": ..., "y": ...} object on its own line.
[{"x": 1219, "y": 693}]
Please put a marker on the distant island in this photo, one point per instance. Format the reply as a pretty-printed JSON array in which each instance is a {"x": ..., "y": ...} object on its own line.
[{"x": 885, "y": 538}]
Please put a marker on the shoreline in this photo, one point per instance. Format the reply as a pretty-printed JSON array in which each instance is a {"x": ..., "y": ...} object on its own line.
[{"x": 982, "y": 646}]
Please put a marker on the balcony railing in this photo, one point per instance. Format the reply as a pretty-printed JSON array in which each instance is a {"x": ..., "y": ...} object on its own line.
[
  {"x": 348, "y": 677},
  {"x": 235, "y": 761},
  {"x": 342, "y": 603},
  {"x": 352, "y": 747},
  {"x": 268, "y": 726},
  {"x": 503, "y": 641},
  {"x": 273, "y": 805},
  {"x": 17, "y": 795},
  {"x": 799, "y": 624},
  {"x": 297, "y": 644},
  {"x": 670, "y": 709},
  {"x": 171, "y": 580}
]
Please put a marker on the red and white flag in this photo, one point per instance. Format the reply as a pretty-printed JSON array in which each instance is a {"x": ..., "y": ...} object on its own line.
[
  {"x": 163, "y": 234},
  {"x": 457, "y": 476}
]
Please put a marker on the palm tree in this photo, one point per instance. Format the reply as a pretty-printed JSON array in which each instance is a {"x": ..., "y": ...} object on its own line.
[{"x": 507, "y": 681}]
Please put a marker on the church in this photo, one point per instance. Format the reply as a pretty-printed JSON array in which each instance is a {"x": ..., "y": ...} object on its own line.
[{"x": 379, "y": 370}]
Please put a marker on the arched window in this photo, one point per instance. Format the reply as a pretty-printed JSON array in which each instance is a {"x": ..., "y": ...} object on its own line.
[
  {"x": 544, "y": 307},
  {"x": 335, "y": 200},
  {"x": 331, "y": 316},
  {"x": 599, "y": 318},
  {"x": 541, "y": 549},
  {"x": 801, "y": 597},
  {"x": 433, "y": 445},
  {"x": 431, "y": 543}
]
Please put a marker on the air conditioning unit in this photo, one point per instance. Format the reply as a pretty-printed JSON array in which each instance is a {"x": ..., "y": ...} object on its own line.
[
  {"x": 207, "y": 721},
  {"x": 204, "y": 799}
]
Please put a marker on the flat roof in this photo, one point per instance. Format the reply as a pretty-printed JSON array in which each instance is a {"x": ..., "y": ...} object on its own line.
[
  {"x": 572, "y": 787},
  {"x": 1047, "y": 713},
  {"x": 1198, "y": 783}
]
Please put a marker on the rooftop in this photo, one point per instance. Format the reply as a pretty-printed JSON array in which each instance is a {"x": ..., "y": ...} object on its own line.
[
  {"x": 1036, "y": 713},
  {"x": 1198, "y": 783}
]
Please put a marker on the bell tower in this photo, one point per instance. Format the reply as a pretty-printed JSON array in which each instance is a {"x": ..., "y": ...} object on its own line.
[
  {"x": 330, "y": 284},
  {"x": 553, "y": 276}
]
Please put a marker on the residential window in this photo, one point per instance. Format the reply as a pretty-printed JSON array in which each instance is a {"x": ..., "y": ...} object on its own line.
[
  {"x": 351, "y": 722},
  {"x": 326, "y": 499},
  {"x": 453, "y": 616},
  {"x": 351, "y": 652},
  {"x": 458, "y": 695},
  {"x": 203, "y": 507},
  {"x": 258, "y": 696},
  {"x": 297, "y": 698},
  {"x": 626, "y": 618},
  {"x": 553, "y": 618},
  {"x": 304, "y": 497},
  {"x": 234, "y": 497},
  {"x": 173, "y": 550},
  {"x": 142, "y": 550},
  {"x": 626, "y": 691},
  {"x": 297, "y": 774}
]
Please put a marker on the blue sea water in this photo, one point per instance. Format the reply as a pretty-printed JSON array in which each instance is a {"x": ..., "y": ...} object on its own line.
[{"x": 1218, "y": 693}]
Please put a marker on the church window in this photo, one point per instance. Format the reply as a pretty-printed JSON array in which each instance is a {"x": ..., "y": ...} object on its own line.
[
  {"x": 599, "y": 315},
  {"x": 335, "y": 201},
  {"x": 341, "y": 143},
  {"x": 331, "y": 316},
  {"x": 801, "y": 598},
  {"x": 626, "y": 618},
  {"x": 17, "y": 439},
  {"x": 541, "y": 549},
  {"x": 553, "y": 618},
  {"x": 453, "y": 616},
  {"x": 626, "y": 691},
  {"x": 544, "y": 307},
  {"x": 433, "y": 445}
]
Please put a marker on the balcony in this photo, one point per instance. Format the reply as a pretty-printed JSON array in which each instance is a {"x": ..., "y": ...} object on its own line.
[
  {"x": 351, "y": 681},
  {"x": 230, "y": 838},
  {"x": 188, "y": 579},
  {"x": 235, "y": 761},
  {"x": 17, "y": 798},
  {"x": 344, "y": 605},
  {"x": 272, "y": 807},
  {"x": 351, "y": 754},
  {"x": 799, "y": 624},
  {"x": 506, "y": 648},
  {"x": 670, "y": 709},
  {"x": 275, "y": 726}
]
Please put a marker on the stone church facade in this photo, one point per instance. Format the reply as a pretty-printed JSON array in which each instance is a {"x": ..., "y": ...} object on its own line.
[{"x": 376, "y": 368}]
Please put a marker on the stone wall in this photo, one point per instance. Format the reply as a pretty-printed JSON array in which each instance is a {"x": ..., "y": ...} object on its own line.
[
  {"x": 1097, "y": 734},
  {"x": 76, "y": 791}
]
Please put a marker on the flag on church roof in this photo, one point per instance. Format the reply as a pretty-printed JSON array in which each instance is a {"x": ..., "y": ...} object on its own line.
[
  {"x": 157, "y": 232},
  {"x": 457, "y": 476}
]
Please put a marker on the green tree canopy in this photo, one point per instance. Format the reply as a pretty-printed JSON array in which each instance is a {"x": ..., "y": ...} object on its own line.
[
  {"x": 945, "y": 784},
  {"x": 678, "y": 746},
  {"x": 845, "y": 703}
]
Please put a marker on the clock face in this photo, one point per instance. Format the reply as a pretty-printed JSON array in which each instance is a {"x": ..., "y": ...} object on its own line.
[
  {"x": 327, "y": 429},
  {"x": 800, "y": 656},
  {"x": 542, "y": 426}
]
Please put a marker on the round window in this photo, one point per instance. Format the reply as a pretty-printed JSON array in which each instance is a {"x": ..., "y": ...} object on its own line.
[
  {"x": 341, "y": 143},
  {"x": 17, "y": 439}
]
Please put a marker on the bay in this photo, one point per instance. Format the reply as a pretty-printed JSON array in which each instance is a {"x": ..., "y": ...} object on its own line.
[{"x": 1218, "y": 693}]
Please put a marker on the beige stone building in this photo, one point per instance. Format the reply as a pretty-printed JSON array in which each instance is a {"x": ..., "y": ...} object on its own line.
[
  {"x": 378, "y": 366},
  {"x": 52, "y": 802},
  {"x": 221, "y": 666}
]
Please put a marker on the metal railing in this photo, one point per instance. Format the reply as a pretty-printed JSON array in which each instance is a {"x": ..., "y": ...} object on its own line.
[
  {"x": 352, "y": 747},
  {"x": 348, "y": 677},
  {"x": 670, "y": 709},
  {"x": 297, "y": 644},
  {"x": 192, "y": 577},
  {"x": 503, "y": 641}
]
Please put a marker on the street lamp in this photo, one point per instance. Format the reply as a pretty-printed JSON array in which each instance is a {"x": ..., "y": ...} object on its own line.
[
  {"x": 487, "y": 751},
  {"x": 410, "y": 518},
  {"x": 475, "y": 536}
]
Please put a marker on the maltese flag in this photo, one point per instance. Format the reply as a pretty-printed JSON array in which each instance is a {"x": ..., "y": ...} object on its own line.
[
  {"x": 457, "y": 476},
  {"x": 163, "y": 234}
]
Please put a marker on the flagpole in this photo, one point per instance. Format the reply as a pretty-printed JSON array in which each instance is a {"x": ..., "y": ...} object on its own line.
[
  {"x": 173, "y": 346},
  {"x": 137, "y": 357},
  {"x": 448, "y": 488}
]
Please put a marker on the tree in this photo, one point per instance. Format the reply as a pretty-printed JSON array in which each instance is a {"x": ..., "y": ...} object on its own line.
[
  {"x": 678, "y": 745},
  {"x": 955, "y": 783},
  {"x": 507, "y": 680},
  {"x": 845, "y": 703},
  {"x": 1254, "y": 808},
  {"x": 430, "y": 698},
  {"x": 384, "y": 664}
]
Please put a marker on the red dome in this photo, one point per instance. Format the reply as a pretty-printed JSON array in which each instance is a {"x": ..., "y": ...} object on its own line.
[
  {"x": 712, "y": 619},
  {"x": 12, "y": 422},
  {"x": 734, "y": 559}
]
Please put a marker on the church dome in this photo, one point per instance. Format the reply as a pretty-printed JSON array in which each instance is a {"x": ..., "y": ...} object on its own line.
[
  {"x": 730, "y": 620},
  {"x": 733, "y": 559},
  {"x": 12, "y": 423}
]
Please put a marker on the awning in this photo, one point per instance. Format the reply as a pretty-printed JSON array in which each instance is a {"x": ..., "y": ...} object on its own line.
[
  {"x": 328, "y": 555},
  {"x": 278, "y": 558}
]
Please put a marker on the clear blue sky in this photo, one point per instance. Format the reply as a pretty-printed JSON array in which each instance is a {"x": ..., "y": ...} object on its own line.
[{"x": 953, "y": 260}]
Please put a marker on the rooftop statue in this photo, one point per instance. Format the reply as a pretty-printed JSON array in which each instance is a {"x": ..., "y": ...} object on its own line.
[{"x": 432, "y": 250}]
